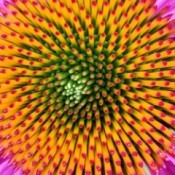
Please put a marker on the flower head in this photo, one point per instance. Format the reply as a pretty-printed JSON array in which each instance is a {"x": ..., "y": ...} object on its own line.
[{"x": 87, "y": 87}]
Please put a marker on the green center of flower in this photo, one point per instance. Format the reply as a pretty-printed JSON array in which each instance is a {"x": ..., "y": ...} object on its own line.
[
  {"x": 73, "y": 91},
  {"x": 86, "y": 82}
]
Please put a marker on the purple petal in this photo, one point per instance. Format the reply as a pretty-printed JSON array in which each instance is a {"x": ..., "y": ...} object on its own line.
[
  {"x": 169, "y": 166},
  {"x": 168, "y": 170},
  {"x": 6, "y": 168},
  {"x": 170, "y": 4}
]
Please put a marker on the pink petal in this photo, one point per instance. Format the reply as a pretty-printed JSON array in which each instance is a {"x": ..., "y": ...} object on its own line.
[
  {"x": 168, "y": 170},
  {"x": 6, "y": 168},
  {"x": 170, "y": 4}
]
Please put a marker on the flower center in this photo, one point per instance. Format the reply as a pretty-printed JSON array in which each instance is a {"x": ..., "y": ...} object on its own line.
[{"x": 73, "y": 91}]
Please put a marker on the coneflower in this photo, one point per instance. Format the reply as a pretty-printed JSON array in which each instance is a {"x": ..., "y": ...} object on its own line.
[{"x": 86, "y": 87}]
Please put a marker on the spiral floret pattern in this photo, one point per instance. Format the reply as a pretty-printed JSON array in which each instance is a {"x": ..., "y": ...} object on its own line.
[{"x": 86, "y": 87}]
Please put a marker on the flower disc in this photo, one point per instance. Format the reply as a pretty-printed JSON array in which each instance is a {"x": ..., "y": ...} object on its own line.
[{"x": 86, "y": 87}]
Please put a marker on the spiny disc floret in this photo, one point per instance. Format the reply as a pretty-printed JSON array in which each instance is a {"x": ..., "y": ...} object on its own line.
[{"x": 86, "y": 87}]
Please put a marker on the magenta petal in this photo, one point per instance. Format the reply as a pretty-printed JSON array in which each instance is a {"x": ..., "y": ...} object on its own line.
[
  {"x": 165, "y": 3},
  {"x": 161, "y": 4},
  {"x": 169, "y": 170},
  {"x": 6, "y": 168}
]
